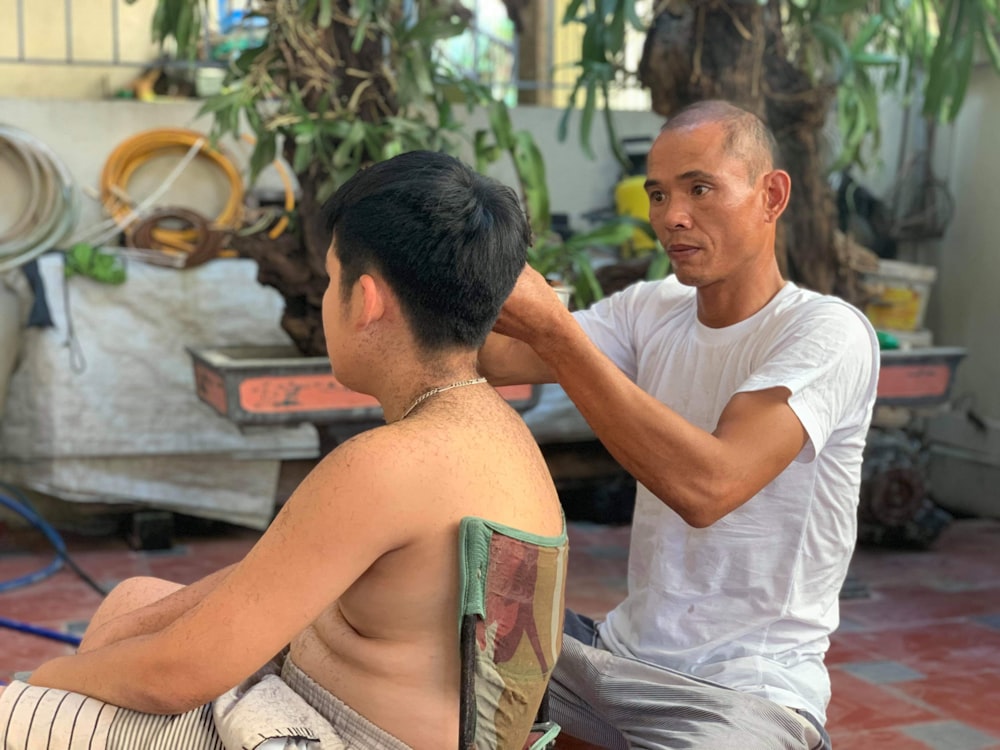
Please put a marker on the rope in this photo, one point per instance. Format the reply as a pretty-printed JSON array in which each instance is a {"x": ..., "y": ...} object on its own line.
[{"x": 51, "y": 208}]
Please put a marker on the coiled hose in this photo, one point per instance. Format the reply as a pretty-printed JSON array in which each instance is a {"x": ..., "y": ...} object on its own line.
[
  {"x": 52, "y": 206},
  {"x": 133, "y": 152}
]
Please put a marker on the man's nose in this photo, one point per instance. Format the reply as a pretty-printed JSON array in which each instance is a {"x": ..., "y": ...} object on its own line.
[{"x": 677, "y": 216}]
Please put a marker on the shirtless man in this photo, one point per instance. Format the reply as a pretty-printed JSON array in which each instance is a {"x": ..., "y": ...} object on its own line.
[{"x": 358, "y": 573}]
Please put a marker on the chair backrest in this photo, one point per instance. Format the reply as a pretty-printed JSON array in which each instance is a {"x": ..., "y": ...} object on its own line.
[{"x": 512, "y": 603}]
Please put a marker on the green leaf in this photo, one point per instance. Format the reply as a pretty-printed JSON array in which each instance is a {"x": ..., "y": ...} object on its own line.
[
  {"x": 587, "y": 117},
  {"x": 615, "y": 232},
  {"x": 500, "y": 124},
  {"x": 263, "y": 153},
  {"x": 530, "y": 166},
  {"x": 303, "y": 158},
  {"x": 592, "y": 50},
  {"x": 571, "y": 11},
  {"x": 633, "y": 15},
  {"x": 325, "y": 13},
  {"x": 590, "y": 290},
  {"x": 867, "y": 33},
  {"x": 990, "y": 41},
  {"x": 346, "y": 152},
  {"x": 609, "y": 124},
  {"x": 963, "y": 72},
  {"x": 614, "y": 37},
  {"x": 182, "y": 32},
  {"x": 833, "y": 42},
  {"x": 563, "y": 129}
]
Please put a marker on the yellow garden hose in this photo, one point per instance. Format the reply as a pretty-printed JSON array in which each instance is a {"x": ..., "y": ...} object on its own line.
[{"x": 133, "y": 152}]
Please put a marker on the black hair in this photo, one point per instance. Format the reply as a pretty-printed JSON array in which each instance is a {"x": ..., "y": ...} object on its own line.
[
  {"x": 747, "y": 136},
  {"x": 449, "y": 241}
]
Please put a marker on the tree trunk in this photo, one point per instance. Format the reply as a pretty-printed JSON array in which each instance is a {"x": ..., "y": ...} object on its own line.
[{"x": 711, "y": 49}]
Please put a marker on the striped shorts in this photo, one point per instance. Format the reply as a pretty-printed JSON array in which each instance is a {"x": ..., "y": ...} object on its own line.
[
  {"x": 621, "y": 703},
  {"x": 267, "y": 713}
]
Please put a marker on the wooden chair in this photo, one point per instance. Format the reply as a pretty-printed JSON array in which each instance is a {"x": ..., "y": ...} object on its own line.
[{"x": 511, "y": 615}]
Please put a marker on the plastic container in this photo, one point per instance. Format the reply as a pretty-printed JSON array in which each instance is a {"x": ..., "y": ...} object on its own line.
[{"x": 900, "y": 293}]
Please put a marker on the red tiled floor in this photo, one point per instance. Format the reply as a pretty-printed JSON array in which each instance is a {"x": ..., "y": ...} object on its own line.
[
  {"x": 930, "y": 612},
  {"x": 971, "y": 698},
  {"x": 860, "y": 705},
  {"x": 877, "y": 738}
]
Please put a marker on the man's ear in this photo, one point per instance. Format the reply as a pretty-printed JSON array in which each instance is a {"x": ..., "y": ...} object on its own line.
[
  {"x": 777, "y": 189},
  {"x": 372, "y": 299}
]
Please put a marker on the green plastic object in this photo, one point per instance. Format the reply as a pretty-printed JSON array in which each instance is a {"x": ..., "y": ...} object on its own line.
[
  {"x": 886, "y": 340},
  {"x": 94, "y": 263}
]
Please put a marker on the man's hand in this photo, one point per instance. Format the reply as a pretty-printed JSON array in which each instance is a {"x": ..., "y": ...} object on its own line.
[{"x": 532, "y": 310}]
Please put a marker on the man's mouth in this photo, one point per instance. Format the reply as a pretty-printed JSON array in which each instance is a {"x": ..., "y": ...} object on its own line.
[{"x": 680, "y": 250}]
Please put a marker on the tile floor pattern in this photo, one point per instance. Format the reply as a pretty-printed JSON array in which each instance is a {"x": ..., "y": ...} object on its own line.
[{"x": 915, "y": 665}]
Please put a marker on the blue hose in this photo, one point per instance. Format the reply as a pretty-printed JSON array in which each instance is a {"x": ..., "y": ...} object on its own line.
[
  {"x": 54, "y": 635},
  {"x": 22, "y": 508},
  {"x": 25, "y": 511}
]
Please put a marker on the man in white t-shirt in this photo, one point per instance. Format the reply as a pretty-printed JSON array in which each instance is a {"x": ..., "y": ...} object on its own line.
[{"x": 741, "y": 404}]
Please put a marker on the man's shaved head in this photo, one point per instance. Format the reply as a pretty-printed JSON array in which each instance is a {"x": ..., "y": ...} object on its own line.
[{"x": 747, "y": 137}]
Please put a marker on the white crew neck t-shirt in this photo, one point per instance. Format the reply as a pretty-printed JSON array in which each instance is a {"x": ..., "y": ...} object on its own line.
[{"x": 748, "y": 602}]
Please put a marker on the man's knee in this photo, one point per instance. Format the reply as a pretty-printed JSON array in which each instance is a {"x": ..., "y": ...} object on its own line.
[{"x": 130, "y": 595}]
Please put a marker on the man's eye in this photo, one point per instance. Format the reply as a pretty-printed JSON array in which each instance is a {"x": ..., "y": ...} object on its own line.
[
  {"x": 700, "y": 189},
  {"x": 656, "y": 196}
]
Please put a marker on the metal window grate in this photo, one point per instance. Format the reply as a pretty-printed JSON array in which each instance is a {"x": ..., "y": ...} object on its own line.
[
  {"x": 44, "y": 49},
  {"x": 116, "y": 33}
]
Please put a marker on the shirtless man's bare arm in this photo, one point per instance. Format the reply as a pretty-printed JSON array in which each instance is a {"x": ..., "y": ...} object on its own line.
[
  {"x": 137, "y": 618},
  {"x": 324, "y": 538}
]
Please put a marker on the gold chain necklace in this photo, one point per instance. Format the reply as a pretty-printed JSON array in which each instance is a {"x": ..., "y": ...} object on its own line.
[{"x": 434, "y": 391}]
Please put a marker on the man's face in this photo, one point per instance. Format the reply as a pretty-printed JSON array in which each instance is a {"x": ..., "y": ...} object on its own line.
[{"x": 709, "y": 217}]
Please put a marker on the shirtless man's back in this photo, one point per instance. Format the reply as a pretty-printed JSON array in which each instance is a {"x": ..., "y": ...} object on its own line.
[
  {"x": 359, "y": 573},
  {"x": 389, "y": 646}
]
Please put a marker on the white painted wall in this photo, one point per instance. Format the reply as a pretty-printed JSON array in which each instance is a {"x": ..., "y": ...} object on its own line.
[{"x": 966, "y": 309}]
